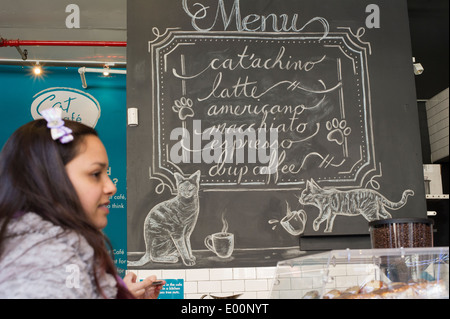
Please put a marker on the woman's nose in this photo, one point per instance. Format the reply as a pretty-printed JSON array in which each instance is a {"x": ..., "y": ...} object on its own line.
[{"x": 110, "y": 187}]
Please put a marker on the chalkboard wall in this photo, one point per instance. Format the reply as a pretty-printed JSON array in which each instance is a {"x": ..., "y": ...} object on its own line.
[{"x": 264, "y": 125}]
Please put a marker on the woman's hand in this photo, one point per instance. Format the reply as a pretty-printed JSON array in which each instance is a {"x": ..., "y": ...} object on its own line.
[{"x": 143, "y": 289}]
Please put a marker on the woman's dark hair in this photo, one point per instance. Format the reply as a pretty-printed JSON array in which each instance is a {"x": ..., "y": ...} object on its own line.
[{"x": 33, "y": 178}]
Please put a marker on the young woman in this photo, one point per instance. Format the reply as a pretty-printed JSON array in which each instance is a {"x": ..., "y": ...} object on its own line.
[{"x": 54, "y": 193}]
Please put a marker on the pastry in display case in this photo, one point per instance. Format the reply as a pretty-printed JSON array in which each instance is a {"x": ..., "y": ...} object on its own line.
[{"x": 388, "y": 273}]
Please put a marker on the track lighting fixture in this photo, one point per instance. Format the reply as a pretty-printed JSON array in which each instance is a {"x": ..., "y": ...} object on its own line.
[
  {"x": 417, "y": 67},
  {"x": 37, "y": 69}
]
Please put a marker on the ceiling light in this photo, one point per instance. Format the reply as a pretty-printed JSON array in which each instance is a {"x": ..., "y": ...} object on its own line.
[
  {"x": 37, "y": 70},
  {"x": 106, "y": 71},
  {"x": 417, "y": 67},
  {"x": 83, "y": 77}
]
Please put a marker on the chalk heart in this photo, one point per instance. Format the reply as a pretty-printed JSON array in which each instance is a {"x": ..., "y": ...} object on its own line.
[{"x": 76, "y": 105}]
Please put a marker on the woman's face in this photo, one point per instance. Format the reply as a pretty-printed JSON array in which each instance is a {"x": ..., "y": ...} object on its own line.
[{"x": 88, "y": 174}]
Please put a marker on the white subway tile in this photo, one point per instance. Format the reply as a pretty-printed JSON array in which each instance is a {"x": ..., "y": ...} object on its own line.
[
  {"x": 197, "y": 274},
  {"x": 263, "y": 294},
  {"x": 346, "y": 281},
  {"x": 359, "y": 269},
  {"x": 233, "y": 285},
  {"x": 302, "y": 283},
  {"x": 244, "y": 273},
  {"x": 267, "y": 272},
  {"x": 144, "y": 273},
  {"x": 248, "y": 295},
  {"x": 173, "y": 274},
  {"x": 256, "y": 284},
  {"x": 283, "y": 284},
  {"x": 291, "y": 294},
  {"x": 209, "y": 287},
  {"x": 274, "y": 294},
  {"x": 338, "y": 270},
  {"x": 309, "y": 271},
  {"x": 190, "y": 287},
  {"x": 221, "y": 274},
  {"x": 318, "y": 281}
]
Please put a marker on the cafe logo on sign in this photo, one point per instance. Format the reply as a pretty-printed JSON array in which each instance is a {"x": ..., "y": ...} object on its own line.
[{"x": 76, "y": 105}]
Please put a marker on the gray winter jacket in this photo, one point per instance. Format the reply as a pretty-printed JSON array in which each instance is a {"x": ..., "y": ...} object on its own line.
[{"x": 40, "y": 260}]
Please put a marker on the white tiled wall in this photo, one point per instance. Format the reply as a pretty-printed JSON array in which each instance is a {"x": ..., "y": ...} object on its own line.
[
  {"x": 291, "y": 282},
  {"x": 294, "y": 283},
  {"x": 256, "y": 282},
  {"x": 251, "y": 282},
  {"x": 438, "y": 125}
]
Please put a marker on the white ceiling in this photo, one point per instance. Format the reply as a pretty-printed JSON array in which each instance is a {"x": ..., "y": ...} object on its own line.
[
  {"x": 100, "y": 20},
  {"x": 105, "y": 20}
]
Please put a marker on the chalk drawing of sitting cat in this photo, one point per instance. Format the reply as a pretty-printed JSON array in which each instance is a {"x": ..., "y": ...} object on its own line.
[
  {"x": 169, "y": 225},
  {"x": 332, "y": 202}
]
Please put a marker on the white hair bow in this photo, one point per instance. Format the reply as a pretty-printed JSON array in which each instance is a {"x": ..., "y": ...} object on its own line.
[{"x": 56, "y": 125}]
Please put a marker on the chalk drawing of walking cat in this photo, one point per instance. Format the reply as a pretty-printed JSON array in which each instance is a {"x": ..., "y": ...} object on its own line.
[
  {"x": 169, "y": 225},
  {"x": 332, "y": 202}
]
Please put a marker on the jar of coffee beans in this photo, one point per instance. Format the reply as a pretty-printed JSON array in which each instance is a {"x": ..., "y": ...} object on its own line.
[{"x": 401, "y": 232}]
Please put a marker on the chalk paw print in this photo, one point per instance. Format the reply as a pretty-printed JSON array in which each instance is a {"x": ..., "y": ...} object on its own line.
[
  {"x": 338, "y": 130},
  {"x": 183, "y": 107}
]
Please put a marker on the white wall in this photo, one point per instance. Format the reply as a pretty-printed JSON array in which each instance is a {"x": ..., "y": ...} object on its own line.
[
  {"x": 252, "y": 282},
  {"x": 438, "y": 126},
  {"x": 257, "y": 282}
]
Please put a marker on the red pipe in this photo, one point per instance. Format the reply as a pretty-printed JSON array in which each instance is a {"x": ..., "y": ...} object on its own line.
[{"x": 16, "y": 43}]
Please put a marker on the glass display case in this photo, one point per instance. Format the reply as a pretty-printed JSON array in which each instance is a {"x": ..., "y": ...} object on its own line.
[{"x": 392, "y": 273}]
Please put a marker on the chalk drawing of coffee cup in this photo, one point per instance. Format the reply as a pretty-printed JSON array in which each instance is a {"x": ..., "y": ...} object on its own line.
[
  {"x": 294, "y": 222},
  {"x": 222, "y": 244}
]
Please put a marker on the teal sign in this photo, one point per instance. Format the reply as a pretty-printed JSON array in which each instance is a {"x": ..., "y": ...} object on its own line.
[
  {"x": 102, "y": 105},
  {"x": 173, "y": 289}
]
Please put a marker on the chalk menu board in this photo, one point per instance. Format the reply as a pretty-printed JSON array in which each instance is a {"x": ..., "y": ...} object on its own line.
[{"x": 265, "y": 122}]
